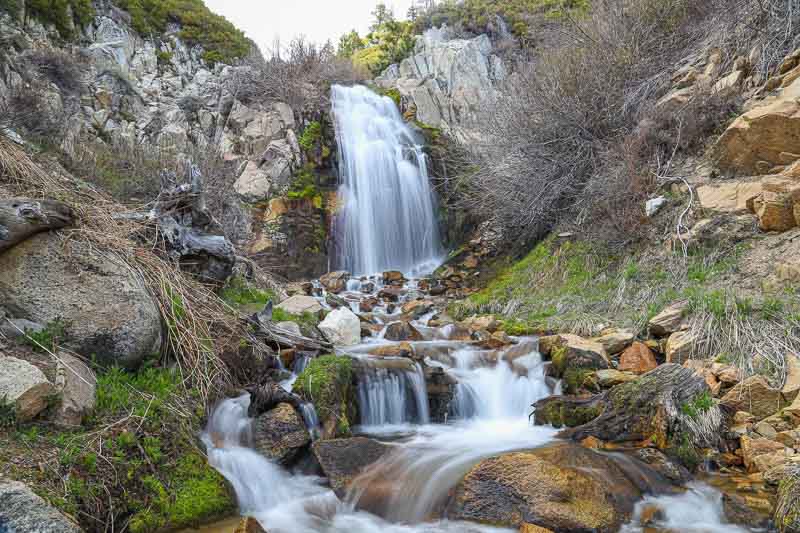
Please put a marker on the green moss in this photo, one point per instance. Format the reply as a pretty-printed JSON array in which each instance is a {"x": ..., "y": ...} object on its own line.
[
  {"x": 327, "y": 382},
  {"x": 304, "y": 185},
  {"x": 239, "y": 293},
  {"x": 140, "y": 393},
  {"x": 312, "y": 134},
  {"x": 558, "y": 355},
  {"x": 575, "y": 379},
  {"x": 698, "y": 405},
  {"x": 560, "y": 414}
]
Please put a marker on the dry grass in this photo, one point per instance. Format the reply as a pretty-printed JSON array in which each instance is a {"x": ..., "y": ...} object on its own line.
[{"x": 200, "y": 326}]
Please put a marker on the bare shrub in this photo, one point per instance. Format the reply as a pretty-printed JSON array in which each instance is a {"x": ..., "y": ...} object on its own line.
[
  {"x": 576, "y": 137},
  {"x": 63, "y": 69}
]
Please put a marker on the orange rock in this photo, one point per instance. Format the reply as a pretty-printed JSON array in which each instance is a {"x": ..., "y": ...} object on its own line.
[
  {"x": 592, "y": 442},
  {"x": 637, "y": 358},
  {"x": 249, "y": 525},
  {"x": 530, "y": 528}
]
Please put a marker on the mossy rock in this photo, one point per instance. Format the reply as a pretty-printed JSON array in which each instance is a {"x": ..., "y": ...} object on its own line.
[
  {"x": 562, "y": 411},
  {"x": 327, "y": 382}
]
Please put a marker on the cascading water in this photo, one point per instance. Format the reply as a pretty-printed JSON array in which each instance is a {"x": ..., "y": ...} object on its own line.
[
  {"x": 388, "y": 216},
  {"x": 392, "y": 393}
]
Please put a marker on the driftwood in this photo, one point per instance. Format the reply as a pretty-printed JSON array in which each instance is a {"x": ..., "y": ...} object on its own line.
[
  {"x": 266, "y": 327},
  {"x": 21, "y": 218}
]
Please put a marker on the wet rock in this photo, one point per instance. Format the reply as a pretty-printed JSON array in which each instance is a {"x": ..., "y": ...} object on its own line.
[
  {"x": 742, "y": 511},
  {"x": 342, "y": 460},
  {"x": 441, "y": 389},
  {"x": 637, "y": 358},
  {"x": 416, "y": 308},
  {"x": 393, "y": 276},
  {"x": 391, "y": 294},
  {"x": 76, "y": 385},
  {"x": 566, "y": 411},
  {"x": 297, "y": 305},
  {"x": 341, "y": 327},
  {"x": 249, "y": 525},
  {"x": 24, "y": 386},
  {"x": 335, "y": 282},
  {"x": 367, "y": 305},
  {"x": 402, "y": 349},
  {"x": 755, "y": 396},
  {"x": 23, "y": 511},
  {"x": 336, "y": 301},
  {"x": 402, "y": 331},
  {"x": 562, "y": 487},
  {"x": 104, "y": 305},
  {"x": 669, "y": 468},
  {"x": 280, "y": 434},
  {"x": 616, "y": 340},
  {"x": 669, "y": 320}
]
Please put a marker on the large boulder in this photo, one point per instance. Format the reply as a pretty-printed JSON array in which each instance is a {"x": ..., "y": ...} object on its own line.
[
  {"x": 668, "y": 408},
  {"x": 341, "y": 327},
  {"x": 76, "y": 385},
  {"x": 571, "y": 352},
  {"x": 107, "y": 310},
  {"x": 615, "y": 340},
  {"x": 23, "y": 511},
  {"x": 335, "y": 282},
  {"x": 280, "y": 434},
  {"x": 25, "y": 387},
  {"x": 562, "y": 487},
  {"x": 669, "y": 320},
  {"x": 402, "y": 331},
  {"x": 755, "y": 396},
  {"x": 299, "y": 304},
  {"x": 759, "y": 139},
  {"x": 342, "y": 460}
]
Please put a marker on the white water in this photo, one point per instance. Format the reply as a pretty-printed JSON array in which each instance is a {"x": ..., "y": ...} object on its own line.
[
  {"x": 390, "y": 395},
  {"x": 388, "y": 216}
]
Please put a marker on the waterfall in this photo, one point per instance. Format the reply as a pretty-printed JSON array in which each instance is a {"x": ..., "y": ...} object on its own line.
[
  {"x": 392, "y": 392},
  {"x": 388, "y": 216}
]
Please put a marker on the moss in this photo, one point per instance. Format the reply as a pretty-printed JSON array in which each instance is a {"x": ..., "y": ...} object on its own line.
[
  {"x": 327, "y": 382},
  {"x": 304, "y": 185},
  {"x": 683, "y": 449},
  {"x": 558, "y": 356},
  {"x": 239, "y": 293},
  {"x": 575, "y": 379},
  {"x": 394, "y": 94},
  {"x": 560, "y": 413},
  {"x": 312, "y": 134}
]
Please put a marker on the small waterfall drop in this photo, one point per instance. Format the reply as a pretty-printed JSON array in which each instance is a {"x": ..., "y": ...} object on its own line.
[
  {"x": 388, "y": 216},
  {"x": 392, "y": 393}
]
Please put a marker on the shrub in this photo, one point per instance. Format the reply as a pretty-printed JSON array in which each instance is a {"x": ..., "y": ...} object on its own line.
[{"x": 57, "y": 13}]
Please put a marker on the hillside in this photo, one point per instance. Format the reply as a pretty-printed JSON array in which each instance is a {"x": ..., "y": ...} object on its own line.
[{"x": 528, "y": 264}]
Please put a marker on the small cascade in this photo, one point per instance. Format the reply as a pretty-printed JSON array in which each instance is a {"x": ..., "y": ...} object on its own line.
[
  {"x": 392, "y": 392},
  {"x": 311, "y": 419},
  {"x": 388, "y": 216}
]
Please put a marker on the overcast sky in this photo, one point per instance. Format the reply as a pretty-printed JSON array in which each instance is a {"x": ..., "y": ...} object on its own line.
[{"x": 319, "y": 20}]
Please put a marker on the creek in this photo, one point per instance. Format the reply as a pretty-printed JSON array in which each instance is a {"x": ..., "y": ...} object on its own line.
[{"x": 389, "y": 223}]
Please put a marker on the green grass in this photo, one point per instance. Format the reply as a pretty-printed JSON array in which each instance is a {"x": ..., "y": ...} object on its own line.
[
  {"x": 238, "y": 293},
  {"x": 139, "y": 393},
  {"x": 700, "y": 404},
  {"x": 48, "y": 338}
]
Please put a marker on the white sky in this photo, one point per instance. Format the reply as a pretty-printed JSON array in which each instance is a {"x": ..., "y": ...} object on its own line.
[{"x": 318, "y": 20}]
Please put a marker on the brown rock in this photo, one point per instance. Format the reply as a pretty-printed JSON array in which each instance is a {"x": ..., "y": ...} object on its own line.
[
  {"x": 249, "y": 525},
  {"x": 573, "y": 352},
  {"x": 669, "y": 320},
  {"x": 610, "y": 378},
  {"x": 343, "y": 460},
  {"x": 680, "y": 346},
  {"x": 761, "y": 454},
  {"x": 530, "y": 528},
  {"x": 393, "y": 276},
  {"x": 563, "y": 487},
  {"x": 616, "y": 340},
  {"x": 280, "y": 434},
  {"x": 637, "y": 358},
  {"x": 402, "y": 349},
  {"x": 476, "y": 323},
  {"x": 729, "y": 197},
  {"x": 775, "y": 211},
  {"x": 402, "y": 331},
  {"x": 417, "y": 308},
  {"x": 704, "y": 369},
  {"x": 728, "y": 374},
  {"x": 335, "y": 282},
  {"x": 390, "y": 294},
  {"x": 755, "y": 396}
]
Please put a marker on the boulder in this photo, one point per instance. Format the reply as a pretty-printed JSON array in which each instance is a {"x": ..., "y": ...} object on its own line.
[
  {"x": 402, "y": 349},
  {"x": 341, "y": 327},
  {"x": 291, "y": 327},
  {"x": 298, "y": 304},
  {"x": 637, "y": 358},
  {"x": 610, "y": 378},
  {"x": 681, "y": 346},
  {"x": 669, "y": 320},
  {"x": 24, "y": 386},
  {"x": 76, "y": 385},
  {"x": 755, "y": 396},
  {"x": 416, "y": 308},
  {"x": 573, "y": 352},
  {"x": 107, "y": 310},
  {"x": 729, "y": 196},
  {"x": 393, "y": 276},
  {"x": 663, "y": 408},
  {"x": 280, "y": 434},
  {"x": 23, "y": 511},
  {"x": 761, "y": 135},
  {"x": 761, "y": 454},
  {"x": 616, "y": 340},
  {"x": 562, "y": 487},
  {"x": 335, "y": 282},
  {"x": 402, "y": 331},
  {"x": 342, "y": 460}
]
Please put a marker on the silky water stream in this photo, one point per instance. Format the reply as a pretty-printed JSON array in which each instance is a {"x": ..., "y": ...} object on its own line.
[{"x": 388, "y": 221}]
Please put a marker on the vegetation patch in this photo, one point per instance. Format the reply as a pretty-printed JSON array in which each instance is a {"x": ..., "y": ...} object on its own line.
[
  {"x": 64, "y": 15},
  {"x": 327, "y": 383}
]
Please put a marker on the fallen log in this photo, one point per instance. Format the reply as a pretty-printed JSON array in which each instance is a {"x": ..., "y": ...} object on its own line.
[
  {"x": 287, "y": 339},
  {"x": 21, "y": 218}
]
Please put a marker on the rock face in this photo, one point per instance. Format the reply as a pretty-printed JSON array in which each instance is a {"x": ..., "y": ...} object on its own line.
[
  {"x": 446, "y": 79},
  {"x": 76, "y": 383},
  {"x": 22, "y": 510},
  {"x": 24, "y": 386},
  {"x": 759, "y": 139},
  {"x": 563, "y": 487},
  {"x": 341, "y": 327},
  {"x": 105, "y": 307},
  {"x": 280, "y": 434},
  {"x": 343, "y": 460}
]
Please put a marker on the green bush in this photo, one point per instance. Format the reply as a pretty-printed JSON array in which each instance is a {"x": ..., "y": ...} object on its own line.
[
  {"x": 55, "y": 12},
  {"x": 222, "y": 41}
]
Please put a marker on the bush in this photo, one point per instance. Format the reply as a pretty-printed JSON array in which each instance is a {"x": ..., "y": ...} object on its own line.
[{"x": 57, "y": 13}]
